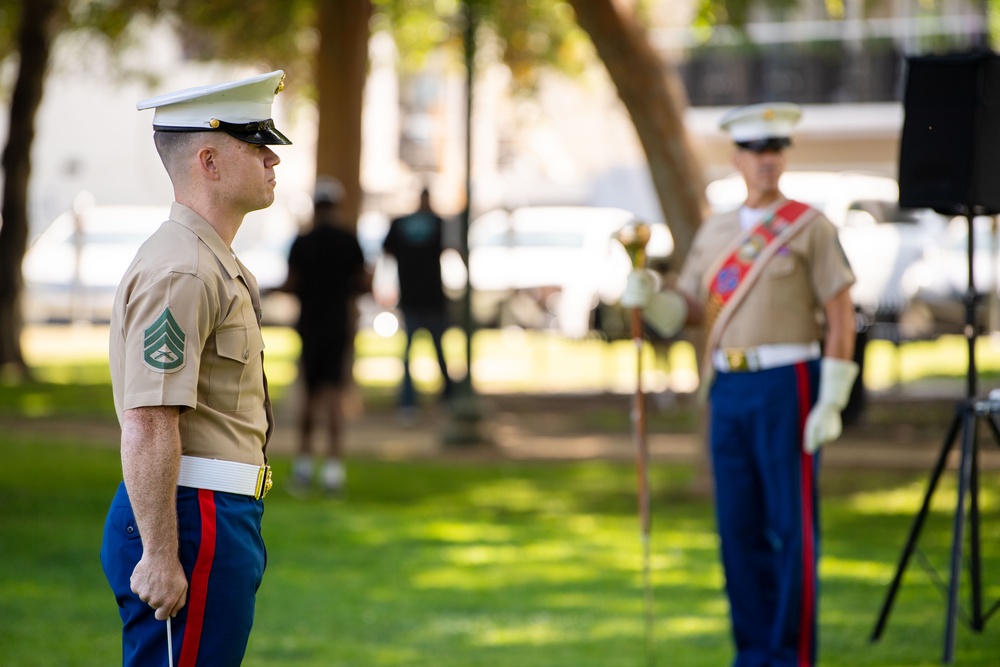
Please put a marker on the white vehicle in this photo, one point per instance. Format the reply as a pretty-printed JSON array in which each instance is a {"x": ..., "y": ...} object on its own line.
[
  {"x": 550, "y": 266},
  {"x": 72, "y": 269},
  {"x": 938, "y": 282}
]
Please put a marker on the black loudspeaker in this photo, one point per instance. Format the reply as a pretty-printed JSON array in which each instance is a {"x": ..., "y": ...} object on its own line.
[{"x": 949, "y": 156}]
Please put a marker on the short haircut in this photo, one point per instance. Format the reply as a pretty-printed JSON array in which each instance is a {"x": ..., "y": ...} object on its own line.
[{"x": 171, "y": 146}]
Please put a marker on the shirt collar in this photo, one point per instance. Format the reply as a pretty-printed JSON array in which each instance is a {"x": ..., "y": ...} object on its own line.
[{"x": 197, "y": 224}]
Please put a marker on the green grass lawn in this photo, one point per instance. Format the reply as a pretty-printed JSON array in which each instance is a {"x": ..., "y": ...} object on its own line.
[
  {"x": 456, "y": 564},
  {"x": 451, "y": 563}
]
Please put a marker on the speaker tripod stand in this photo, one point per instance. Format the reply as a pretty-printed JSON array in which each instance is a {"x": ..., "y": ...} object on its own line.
[{"x": 968, "y": 413}]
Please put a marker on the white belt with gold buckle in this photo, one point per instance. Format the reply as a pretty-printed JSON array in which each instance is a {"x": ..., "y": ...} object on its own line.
[
  {"x": 244, "y": 479},
  {"x": 763, "y": 357}
]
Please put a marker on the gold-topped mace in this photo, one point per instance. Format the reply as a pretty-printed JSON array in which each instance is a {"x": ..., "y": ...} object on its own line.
[{"x": 634, "y": 236}]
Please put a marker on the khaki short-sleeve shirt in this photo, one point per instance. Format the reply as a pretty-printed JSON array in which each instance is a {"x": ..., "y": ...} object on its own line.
[
  {"x": 185, "y": 332},
  {"x": 785, "y": 304}
]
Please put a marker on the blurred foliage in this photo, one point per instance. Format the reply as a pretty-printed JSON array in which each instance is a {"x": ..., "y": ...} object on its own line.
[
  {"x": 10, "y": 19},
  {"x": 525, "y": 34},
  {"x": 993, "y": 21},
  {"x": 256, "y": 32}
]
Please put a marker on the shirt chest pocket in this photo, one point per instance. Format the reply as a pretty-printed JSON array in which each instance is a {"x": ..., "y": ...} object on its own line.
[
  {"x": 781, "y": 266},
  {"x": 786, "y": 290},
  {"x": 236, "y": 381}
]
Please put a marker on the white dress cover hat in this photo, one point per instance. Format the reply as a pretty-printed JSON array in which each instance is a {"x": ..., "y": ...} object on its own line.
[
  {"x": 239, "y": 108},
  {"x": 762, "y": 126}
]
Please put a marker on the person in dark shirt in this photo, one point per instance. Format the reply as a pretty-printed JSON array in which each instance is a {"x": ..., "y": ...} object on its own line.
[
  {"x": 326, "y": 271},
  {"x": 416, "y": 242}
]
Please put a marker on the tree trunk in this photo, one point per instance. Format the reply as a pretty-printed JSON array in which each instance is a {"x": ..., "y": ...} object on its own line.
[
  {"x": 39, "y": 19},
  {"x": 341, "y": 69},
  {"x": 655, "y": 99}
]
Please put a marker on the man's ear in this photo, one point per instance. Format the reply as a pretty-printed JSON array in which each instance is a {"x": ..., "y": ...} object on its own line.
[{"x": 207, "y": 162}]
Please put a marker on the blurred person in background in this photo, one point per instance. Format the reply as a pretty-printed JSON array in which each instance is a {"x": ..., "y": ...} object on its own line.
[
  {"x": 326, "y": 272},
  {"x": 182, "y": 540},
  {"x": 769, "y": 283},
  {"x": 416, "y": 242}
]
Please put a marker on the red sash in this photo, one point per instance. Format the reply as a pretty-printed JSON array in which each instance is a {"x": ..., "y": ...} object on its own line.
[
  {"x": 743, "y": 262},
  {"x": 736, "y": 267}
]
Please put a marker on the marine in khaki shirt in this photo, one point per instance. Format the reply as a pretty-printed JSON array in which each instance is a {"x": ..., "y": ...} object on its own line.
[
  {"x": 786, "y": 304},
  {"x": 185, "y": 332},
  {"x": 183, "y": 549},
  {"x": 769, "y": 282}
]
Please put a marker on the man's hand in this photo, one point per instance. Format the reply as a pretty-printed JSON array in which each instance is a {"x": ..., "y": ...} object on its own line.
[
  {"x": 823, "y": 424},
  {"x": 160, "y": 582},
  {"x": 665, "y": 311}
]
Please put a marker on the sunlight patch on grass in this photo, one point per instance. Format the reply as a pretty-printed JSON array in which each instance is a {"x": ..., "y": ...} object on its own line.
[
  {"x": 584, "y": 524},
  {"x": 70, "y": 344},
  {"x": 691, "y": 626},
  {"x": 506, "y": 361},
  {"x": 497, "y": 568},
  {"x": 618, "y": 626},
  {"x": 482, "y": 554},
  {"x": 684, "y": 576},
  {"x": 907, "y": 499},
  {"x": 281, "y": 341},
  {"x": 36, "y": 404},
  {"x": 567, "y": 600},
  {"x": 859, "y": 570},
  {"x": 887, "y": 364},
  {"x": 902, "y": 500},
  {"x": 516, "y": 495},
  {"x": 82, "y": 374},
  {"x": 378, "y": 370},
  {"x": 450, "y": 531},
  {"x": 606, "y": 533},
  {"x": 690, "y": 540},
  {"x": 281, "y": 352},
  {"x": 536, "y": 630},
  {"x": 537, "y": 556},
  {"x": 280, "y": 373}
]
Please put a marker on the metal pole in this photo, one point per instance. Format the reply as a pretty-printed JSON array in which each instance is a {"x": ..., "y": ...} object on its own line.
[
  {"x": 470, "y": 57},
  {"x": 466, "y": 413},
  {"x": 170, "y": 645},
  {"x": 634, "y": 238}
]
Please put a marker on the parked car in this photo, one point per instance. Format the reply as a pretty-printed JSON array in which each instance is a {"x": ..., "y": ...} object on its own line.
[
  {"x": 72, "y": 269},
  {"x": 549, "y": 267},
  {"x": 881, "y": 240},
  {"x": 936, "y": 285}
]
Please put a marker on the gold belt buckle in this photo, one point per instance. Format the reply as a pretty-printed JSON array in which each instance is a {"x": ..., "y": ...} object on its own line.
[
  {"x": 263, "y": 482},
  {"x": 736, "y": 359}
]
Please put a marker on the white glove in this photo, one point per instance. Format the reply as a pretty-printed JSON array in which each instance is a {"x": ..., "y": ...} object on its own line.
[
  {"x": 665, "y": 311},
  {"x": 836, "y": 379},
  {"x": 639, "y": 289}
]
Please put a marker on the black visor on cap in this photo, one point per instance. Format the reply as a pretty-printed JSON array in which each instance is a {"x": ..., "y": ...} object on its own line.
[
  {"x": 260, "y": 132},
  {"x": 766, "y": 144},
  {"x": 257, "y": 132}
]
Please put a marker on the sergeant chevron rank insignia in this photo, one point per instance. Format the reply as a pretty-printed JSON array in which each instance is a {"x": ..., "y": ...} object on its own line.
[{"x": 163, "y": 344}]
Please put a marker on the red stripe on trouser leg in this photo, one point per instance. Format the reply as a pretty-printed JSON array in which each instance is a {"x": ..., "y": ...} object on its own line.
[
  {"x": 808, "y": 611},
  {"x": 198, "y": 586}
]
